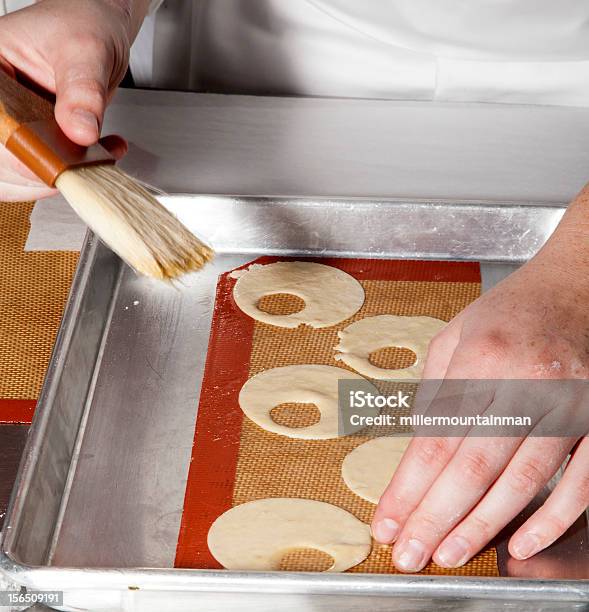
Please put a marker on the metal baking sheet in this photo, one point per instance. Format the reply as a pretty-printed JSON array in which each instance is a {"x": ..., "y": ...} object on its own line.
[{"x": 98, "y": 501}]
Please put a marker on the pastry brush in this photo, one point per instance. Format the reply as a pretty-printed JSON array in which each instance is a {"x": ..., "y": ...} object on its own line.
[{"x": 114, "y": 205}]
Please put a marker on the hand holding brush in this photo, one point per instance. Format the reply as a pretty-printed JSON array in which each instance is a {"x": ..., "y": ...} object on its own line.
[{"x": 117, "y": 208}]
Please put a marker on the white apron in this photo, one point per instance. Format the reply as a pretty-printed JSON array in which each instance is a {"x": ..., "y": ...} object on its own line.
[{"x": 514, "y": 51}]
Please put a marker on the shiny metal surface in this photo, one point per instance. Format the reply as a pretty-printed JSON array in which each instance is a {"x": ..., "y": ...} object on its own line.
[
  {"x": 500, "y": 232},
  {"x": 144, "y": 404},
  {"x": 97, "y": 505},
  {"x": 253, "y": 145}
]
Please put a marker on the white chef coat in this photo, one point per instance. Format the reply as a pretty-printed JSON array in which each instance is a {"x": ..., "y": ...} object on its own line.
[{"x": 515, "y": 51}]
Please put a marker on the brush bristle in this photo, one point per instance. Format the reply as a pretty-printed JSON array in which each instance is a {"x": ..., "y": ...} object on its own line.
[{"x": 132, "y": 222}]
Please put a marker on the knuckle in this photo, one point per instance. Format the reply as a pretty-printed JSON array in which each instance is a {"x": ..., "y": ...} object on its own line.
[
  {"x": 475, "y": 466},
  {"x": 556, "y": 526},
  {"x": 89, "y": 43},
  {"x": 482, "y": 526},
  {"x": 433, "y": 451},
  {"x": 493, "y": 346},
  {"x": 426, "y": 522},
  {"x": 87, "y": 90},
  {"x": 89, "y": 83},
  {"x": 527, "y": 477}
]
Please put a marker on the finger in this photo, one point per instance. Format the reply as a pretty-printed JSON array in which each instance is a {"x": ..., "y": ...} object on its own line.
[
  {"x": 427, "y": 456},
  {"x": 424, "y": 456},
  {"x": 565, "y": 504},
  {"x": 474, "y": 467},
  {"x": 13, "y": 170},
  {"x": 17, "y": 183},
  {"x": 472, "y": 470},
  {"x": 115, "y": 145},
  {"x": 9, "y": 192},
  {"x": 81, "y": 85},
  {"x": 439, "y": 355},
  {"x": 533, "y": 465},
  {"x": 441, "y": 349}
]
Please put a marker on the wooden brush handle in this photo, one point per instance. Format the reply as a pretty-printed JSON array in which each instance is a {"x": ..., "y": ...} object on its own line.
[
  {"x": 19, "y": 105},
  {"x": 29, "y": 131}
]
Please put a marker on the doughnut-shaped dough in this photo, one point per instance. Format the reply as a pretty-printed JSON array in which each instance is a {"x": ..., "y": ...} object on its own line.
[
  {"x": 256, "y": 535},
  {"x": 360, "y": 339},
  {"x": 302, "y": 384},
  {"x": 330, "y": 295},
  {"x": 368, "y": 469}
]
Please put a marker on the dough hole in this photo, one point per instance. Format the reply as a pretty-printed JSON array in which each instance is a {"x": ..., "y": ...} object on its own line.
[
  {"x": 281, "y": 304},
  {"x": 296, "y": 415},
  {"x": 393, "y": 358},
  {"x": 306, "y": 560}
]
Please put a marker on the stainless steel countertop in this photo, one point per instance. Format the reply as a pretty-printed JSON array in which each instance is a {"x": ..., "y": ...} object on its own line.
[{"x": 195, "y": 143}]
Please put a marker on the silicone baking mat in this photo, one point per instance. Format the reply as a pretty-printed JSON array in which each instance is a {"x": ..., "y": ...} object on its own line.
[
  {"x": 235, "y": 461},
  {"x": 34, "y": 289}
]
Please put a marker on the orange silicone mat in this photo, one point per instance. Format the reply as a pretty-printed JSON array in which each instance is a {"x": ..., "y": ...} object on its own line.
[
  {"x": 235, "y": 461},
  {"x": 33, "y": 291}
]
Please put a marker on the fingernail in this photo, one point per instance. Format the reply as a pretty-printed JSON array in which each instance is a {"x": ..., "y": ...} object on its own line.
[
  {"x": 86, "y": 117},
  {"x": 411, "y": 556},
  {"x": 385, "y": 531},
  {"x": 454, "y": 552},
  {"x": 526, "y": 545}
]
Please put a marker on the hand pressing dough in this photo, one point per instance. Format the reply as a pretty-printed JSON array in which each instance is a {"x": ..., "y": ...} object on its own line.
[
  {"x": 368, "y": 469},
  {"x": 301, "y": 384},
  {"x": 330, "y": 295},
  {"x": 256, "y": 535},
  {"x": 360, "y": 339}
]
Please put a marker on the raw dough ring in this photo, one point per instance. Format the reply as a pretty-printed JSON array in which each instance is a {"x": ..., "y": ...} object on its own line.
[
  {"x": 304, "y": 384},
  {"x": 368, "y": 469},
  {"x": 360, "y": 339},
  {"x": 330, "y": 295},
  {"x": 256, "y": 535}
]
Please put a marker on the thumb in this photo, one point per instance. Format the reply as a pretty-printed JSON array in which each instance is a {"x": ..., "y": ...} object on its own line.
[{"x": 81, "y": 87}]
